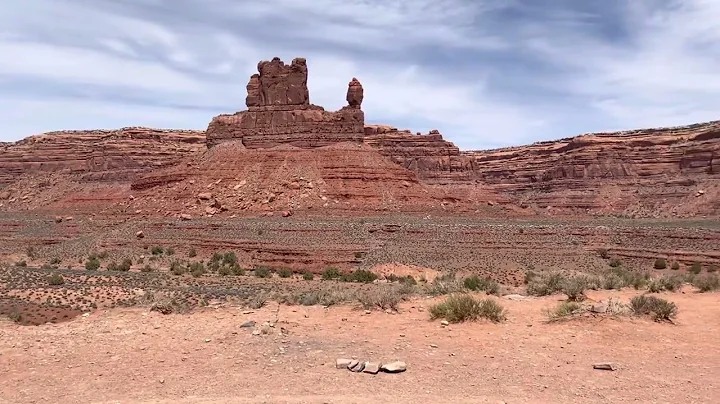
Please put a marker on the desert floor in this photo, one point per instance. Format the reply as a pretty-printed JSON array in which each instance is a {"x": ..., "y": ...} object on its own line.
[{"x": 136, "y": 356}]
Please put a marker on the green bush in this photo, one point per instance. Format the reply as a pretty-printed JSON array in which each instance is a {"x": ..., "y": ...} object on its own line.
[
  {"x": 359, "y": 254},
  {"x": 615, "y": 262},
  {"x": 56, "y": 280},
  {"x": 157, "y": 250},
  {"x": 285, "y": 272},
  {"x": 675, "y": 266},
  {"x": 564, "y": 310},
  {"x": 695, "y": 268},
  {"x": 177, "y": 268},
  {"x": 575, "y": 288},
  {"x": 262, "y": 272},
  {"x": 361, "y": 276},
  {"x": 225, "y": 270},
  {"x": 670, "y": 283},
  {"x": 113, "y": 266},
  {"x": 308, "y": 276},
  {"x": 216, "y": 257},
  {"x": 229, "y": 258},
  {"x": 485, "y": 284},
  {"x": 170, "y": 251},
  {"x": 445, "y": 285},
  {"x": 197, "y": 269},
  {"x": 463, "y": 307},
  {"x": 92, "y": 264},
  {"x": 546, "y": 284},
  {"x": 707, "y": 283},
  {"x": 660, "y": 309},
  {"x": 237, "y": 270},
  {"x": 660, "y": 263},
  {"x": 331, "y": 273}
]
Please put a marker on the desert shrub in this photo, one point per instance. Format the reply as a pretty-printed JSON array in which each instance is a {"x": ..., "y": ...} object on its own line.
[
  {"x": 237, "y": 270},
  {"x": 216, "y": 257},
  {"x": 225, "y": 270},
  {"x": 192, "y": 253},
  {"x": 262, "y": 272},
  {"x": 603, "y": 253},
  {"x": 462, "y": 307},
  {"x": 229, "y": 258},
  {"x": 102, "y": 255},
  {"x": 30, "y": 252},
  {"x": 164, "y": 306},
  {"x": 125, "y": 265},
  {"x": 675, "y": 266},
  {"x": 47, "y": 267},
  {"x": 358, "y": 254},
  {"x": 712, "y": 269},
  {"x": 660, "y": 263},
  {"x": 575, "y": 288},
  {"x": 669, "y": 283},
  {"x": 157, "y": 250},
  {"x": 285, "y": 272},
  {"x": 615, "y": 262},
  {"x": 113, "y": 266},
  {"x": 331, "y": 273},
  {"x": 695, "y": 268},
  {"x": 170, "y": 251},
  {"x": 177, "y": 268},
  {"x": 478, "y": 284},
  {"x": 707, "y": 283},
  {"x": 146, "y": 269},
  {"x": 546, "y": 284},
  {"x": 384, "y": 298},
  {"x": 214, "y": 266},
  {"x": 362, "y": 276},
  {"x": 660, "y": 309},
  {"x": 92, "y": 264},
  {"x": 197, "y": 269},
  {"x": 619, "y": 277},
  {"x": 55, "y": 261},
  {"x": 92, "y": 257},
  {"x": 21, "y": 263},
  {"x": 55, "y": 280},
  {"x": 308, "y": 276},
  {"x": 408, "y": 280},
  {"x": 529, "y": 276},
  {"x": 564, "y": 310},
  {"x": 445, "y": 285}
]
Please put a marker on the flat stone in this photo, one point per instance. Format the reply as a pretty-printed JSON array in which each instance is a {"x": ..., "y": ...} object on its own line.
[
  {"x": 394, "y": 367},
  {"x": 371, "y": 367},
  {"x": 248, "y": 324},
  {"x": 342, "y": 363},
  {"x": 444, "y": 323},
  {"x": 599, "y": 308},
  {"x": 353, "y": 363},
  {"x": 358, "y": 367},
  {"x": 605, "y": 366}
]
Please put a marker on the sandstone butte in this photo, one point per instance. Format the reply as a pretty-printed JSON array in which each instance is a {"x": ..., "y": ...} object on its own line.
[{"x": 284, "y": 154}]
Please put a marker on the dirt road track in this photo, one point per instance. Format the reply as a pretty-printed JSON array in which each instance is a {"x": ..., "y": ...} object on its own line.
[{"x": 133, "y": 356}]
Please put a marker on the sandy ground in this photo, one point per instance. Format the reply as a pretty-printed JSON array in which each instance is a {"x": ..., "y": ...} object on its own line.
[{"x": 136, "y": 356}]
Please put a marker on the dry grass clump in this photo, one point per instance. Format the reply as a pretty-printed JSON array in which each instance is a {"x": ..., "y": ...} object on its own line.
[
  {"x": 659, "y": 309},
  {"x": 707, "y": 283},
  {"x": 463, "y": 307}
]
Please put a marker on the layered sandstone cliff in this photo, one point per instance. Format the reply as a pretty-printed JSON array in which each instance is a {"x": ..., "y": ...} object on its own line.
[
  {"x": 97, "y": 155},
  {"x": 279, "y": 112}
]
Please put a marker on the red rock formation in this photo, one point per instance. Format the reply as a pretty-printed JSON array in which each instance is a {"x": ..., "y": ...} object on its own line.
[
  {"x": 97, "y": 155},
  {"x": 279, "y": 112}
]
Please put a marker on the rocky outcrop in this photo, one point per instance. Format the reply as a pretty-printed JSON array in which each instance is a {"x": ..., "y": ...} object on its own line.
[
  {"x": 97, "y": 155},
  {"x": 279, "y": 112}
]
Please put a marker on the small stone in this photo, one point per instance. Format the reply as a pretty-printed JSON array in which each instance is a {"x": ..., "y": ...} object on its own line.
[
  {"x": 207, "y": 339},
  {"x": 605, "y": 366},
  {"x": 140, "y": 234},
  {"x": 444, "y": 323},
  {"x": 162, "y": 381},
  {"x": 599, "y": 308},
  {"x": 248, "y": 324},
  {"x": 433, "y": 346},
  {"x": 394, "y": 367},
  {"x": 371, "y": 367},
  {"x": 342, "y": 363},
  {"x": 247, "y": 312},
  {"x": 353, "y": 363},
  {"x": 367, "y": 311},
  {"x": 256, "y": 332}
]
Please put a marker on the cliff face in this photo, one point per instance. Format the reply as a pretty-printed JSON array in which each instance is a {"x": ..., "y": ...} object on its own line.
[
  {"x": 279, "y": 112},
  {"x": 97, "y": 155}
]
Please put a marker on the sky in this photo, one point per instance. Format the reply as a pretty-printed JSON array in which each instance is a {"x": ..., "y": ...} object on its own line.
[{"x": 486, "y": 73}]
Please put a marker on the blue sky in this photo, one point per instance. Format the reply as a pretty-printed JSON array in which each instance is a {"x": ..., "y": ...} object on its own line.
[{"x": 486, "y": 73}]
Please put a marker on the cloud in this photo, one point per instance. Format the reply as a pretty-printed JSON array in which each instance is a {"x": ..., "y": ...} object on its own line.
[{"x": 486, "y": 73}]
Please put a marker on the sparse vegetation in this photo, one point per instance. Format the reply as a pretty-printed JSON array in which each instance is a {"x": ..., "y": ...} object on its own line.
[
  {"x": 285, "y": 272},
  {"x": 92, "y": 264},
  {"x": 262, "y": 272},
  {"x": 308, "y": 276},
  {"x": 463, "y": 307},
  {"x": 712, "y": 269},
  {"x": 197, "y": 269},
  {"x": 177, "y": 268},
  {"x": 30, "y": 252},
  {"x": 615, "y": 262},
  {"x": 575, "y": 288},
  {"x": 146, "y": 269},
  {"x": 695, "y": 268},
  {"x": 564, "y": 311},
  {"x": 383, "y": 297},
  {"x": 56, "y": 280},
  {"x": 157, "y": 250},
  {"x": 360, "y": 275},
  {"x": 330, "y": 274},
  {"x": 660, "y": 263},
  {"x": 603, "y": 253},
  {"x": 670, "y": 283},
  {"x": 707, "y": 283},
  {"x": 445, "y": 285},
  {"x": 21, "y": 263},
  {"x": 192, "y": 253},
  {"x": 478, "y": 284},
  {"x": 659, "y": 309},
  {"x": 170, "y": 251},
  {"x": 237, "y": 270},
  {"x": 102, "y": 255},
  {"x": 113, "y": 266},
  {"x": 546, "y": 284},
  {"x": 675, "y": 266}
]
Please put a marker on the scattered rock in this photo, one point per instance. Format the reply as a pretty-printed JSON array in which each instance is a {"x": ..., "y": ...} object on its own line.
[
  {"x": 605, "y": 366},
  {"x": 394, "y": 367},
  {"x": 342, "y": 363},
  {"x": 205, "y": 196},
  {"x": 359, "y": 367},
  {"x": 256, "y": 332},
  {"x": 352, "y": 363},
  {"x": 444, "y": 323},
  {"x": 287, "y": 213},
  {"x": 599, "y": 308},
  {"x": 185, "y": 216},
  {"x": 516, "y": 297},
  {"x": 371, "y": 367},
  {"x": 140, "y": 234},
  {"x": 248, "y": 324}
]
